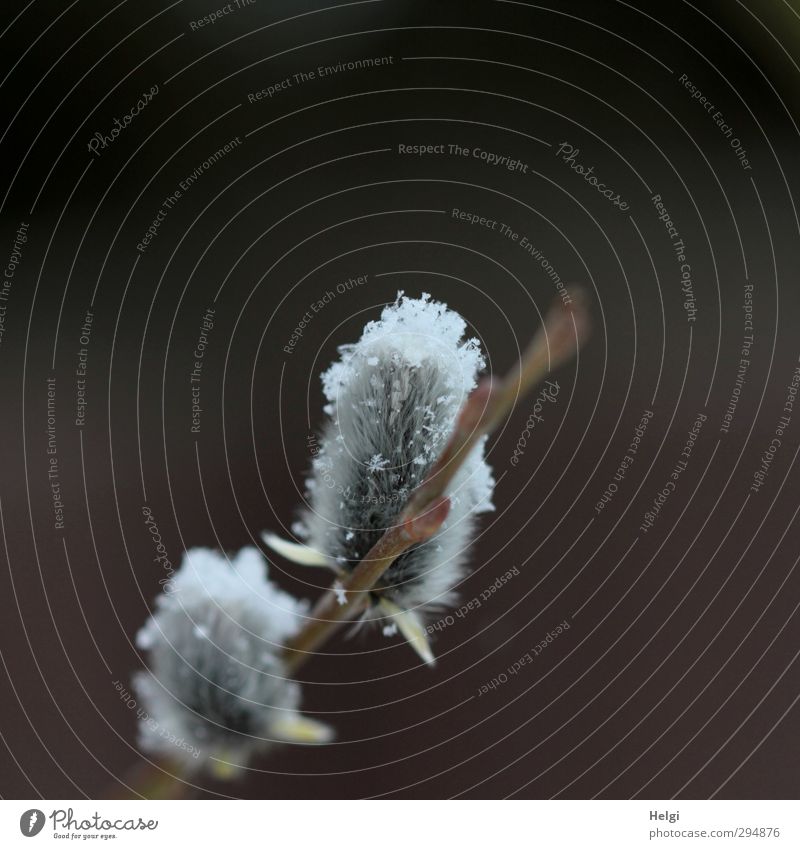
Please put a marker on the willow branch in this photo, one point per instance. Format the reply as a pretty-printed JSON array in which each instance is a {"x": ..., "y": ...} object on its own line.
[{"x": 564, "y": 330}]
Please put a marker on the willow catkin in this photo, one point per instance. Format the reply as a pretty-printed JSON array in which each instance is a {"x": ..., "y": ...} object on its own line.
[
  {"x": 215, "y": 692},
  {"x": 393, "y": 397}
]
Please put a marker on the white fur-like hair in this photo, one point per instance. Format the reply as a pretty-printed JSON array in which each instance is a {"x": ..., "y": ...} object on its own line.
[
  {"x": 216, "y": 683},
  {"x": 392, "y": 401}
]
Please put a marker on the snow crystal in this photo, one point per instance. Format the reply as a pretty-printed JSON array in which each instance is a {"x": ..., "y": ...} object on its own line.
[
  {"x": 376, "y": 463},
  {"x": 414, "y": 330}
]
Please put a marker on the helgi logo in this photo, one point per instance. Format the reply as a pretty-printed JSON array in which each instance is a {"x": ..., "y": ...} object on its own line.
[{"x": 31, "y": 822}]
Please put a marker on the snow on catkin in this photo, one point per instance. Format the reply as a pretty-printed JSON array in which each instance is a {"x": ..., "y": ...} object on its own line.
[
  {"x": 392, "y": 401},
  {"x": 216, "y": 684}
]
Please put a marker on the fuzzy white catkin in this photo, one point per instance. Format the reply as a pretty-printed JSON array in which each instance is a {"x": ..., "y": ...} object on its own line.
[
  {"x": 392, "y": 401},
  {"x": 216, "y": 686}
]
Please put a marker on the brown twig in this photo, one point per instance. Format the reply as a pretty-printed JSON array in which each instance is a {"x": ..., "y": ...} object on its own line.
[{"x": 564, "y": 331}]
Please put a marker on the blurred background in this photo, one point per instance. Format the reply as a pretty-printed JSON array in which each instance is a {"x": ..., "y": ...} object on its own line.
[{"x": 678, "y": 675}]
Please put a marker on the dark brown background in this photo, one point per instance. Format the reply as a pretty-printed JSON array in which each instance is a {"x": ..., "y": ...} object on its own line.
[{"x": 619, "y": 704}]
